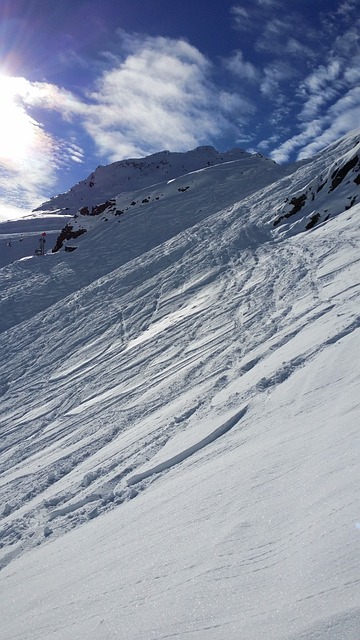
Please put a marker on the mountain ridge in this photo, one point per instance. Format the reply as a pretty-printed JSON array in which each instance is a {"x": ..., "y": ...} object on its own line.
[{"x": 132, "y": 174}]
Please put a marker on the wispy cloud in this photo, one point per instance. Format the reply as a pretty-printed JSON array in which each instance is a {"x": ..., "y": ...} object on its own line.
[
  {"x": 233, "y": 103},
  {"x": 257, "y": 11},
  {"x": 279, "y": 39},
  {"x": 320, "y": 88},
  {"x": 287, "y": 148},
  {"x": 51, "y": 97},
  {"x": 347, "y": 8},
  {"x": 305, "y": 77},
  {"x": 243, "y": 18},
  {"x": 342, "y": 116},
  {"x": 272, "y": 4},
  {"x": 322, "y": 77},
  {"x": 159, "y": 96},
  {"x": 242, "y": 68},
  {"x": 295, "y": 48},
  {"x": 274, "y": 75}
]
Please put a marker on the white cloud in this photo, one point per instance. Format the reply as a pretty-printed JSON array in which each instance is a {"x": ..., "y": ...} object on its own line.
[
  {"x": 265, "y": 144},
  {"x": 75, "y": 153},
  {"x": 346, "y": 8},
  {"x": 241, "y": 68},
  {"x": 249, "y": 18},
  {"x": 352, "y": 74},
  {"x": 291, "y": 44},
  {"x": 234, "y": 103},
  {"x": 286, "y": 149},
  {"x": 314, "y": 104},
  {"x": 326, "y": 83},
  {"x": 51, "y": 97},
  {"x": 26, "y": 181},
  {"x": 10, "y": 212},
  {"x": 275, "y": 35},
  {"x": 243, "y": 19},
  {"x": 294, "y": 47},
  {"x": 343, "y": 116},
  {"x": 159, "y": 97},
  {"x": 274, "y": 75},
  {"x": 322, "y": 76}
]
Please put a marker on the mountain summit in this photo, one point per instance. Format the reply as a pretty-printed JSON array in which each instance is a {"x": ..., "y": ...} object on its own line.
[{"x": 179, "y": 417}]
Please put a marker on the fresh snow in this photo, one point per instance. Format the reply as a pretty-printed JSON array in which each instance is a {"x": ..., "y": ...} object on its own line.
[{"x": 179, "y": 455}]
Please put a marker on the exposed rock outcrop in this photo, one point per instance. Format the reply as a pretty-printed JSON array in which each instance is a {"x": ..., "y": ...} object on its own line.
[{"x": 67, "y": 233}]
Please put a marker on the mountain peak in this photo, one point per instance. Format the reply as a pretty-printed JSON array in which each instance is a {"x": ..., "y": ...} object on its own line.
[{"x": 133, "y": 174}]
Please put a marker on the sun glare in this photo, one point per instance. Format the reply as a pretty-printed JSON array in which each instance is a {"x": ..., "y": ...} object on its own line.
[{"x": 18, "y": 131}]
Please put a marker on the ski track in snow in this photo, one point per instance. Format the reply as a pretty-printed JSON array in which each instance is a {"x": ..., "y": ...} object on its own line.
[
  {"x": 147, "y": 374},
  {"x": 216, "y": 335}
]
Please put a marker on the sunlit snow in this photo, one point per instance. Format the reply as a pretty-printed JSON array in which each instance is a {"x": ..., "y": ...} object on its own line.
[{"x": 179, "y": 411}]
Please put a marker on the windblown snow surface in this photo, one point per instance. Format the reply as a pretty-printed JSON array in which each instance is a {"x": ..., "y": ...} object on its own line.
[{"x": 179, "y": 412}]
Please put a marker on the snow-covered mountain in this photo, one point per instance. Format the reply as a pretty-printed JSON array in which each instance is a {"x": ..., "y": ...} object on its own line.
[
  {"x": 125, "y": 176},
  {"x": 179, "y": 410}
]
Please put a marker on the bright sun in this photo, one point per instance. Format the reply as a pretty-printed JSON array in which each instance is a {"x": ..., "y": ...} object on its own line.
[{"x": 18, "y": 131}]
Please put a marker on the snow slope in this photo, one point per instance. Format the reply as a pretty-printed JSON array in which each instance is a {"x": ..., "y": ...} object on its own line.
[
  {"x": 179, "y": 415},
  {"x": 133, "y": 224}
]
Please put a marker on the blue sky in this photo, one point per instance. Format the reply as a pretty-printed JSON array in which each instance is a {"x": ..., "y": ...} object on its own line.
[{"x": 85, "y": 82}]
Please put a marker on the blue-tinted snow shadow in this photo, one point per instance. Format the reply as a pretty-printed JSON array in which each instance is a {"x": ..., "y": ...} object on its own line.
[{"x": 186, "y": 453}]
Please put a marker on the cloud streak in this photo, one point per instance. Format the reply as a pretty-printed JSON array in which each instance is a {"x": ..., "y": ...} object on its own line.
[
  {"x": 312, "y": 81},
  {"x": 341, "y": 117}
]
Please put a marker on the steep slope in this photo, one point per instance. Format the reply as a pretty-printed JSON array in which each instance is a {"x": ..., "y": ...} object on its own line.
[
  {"x": 139, "y": 222},
  {"x": 339, "y": 176},
  {"x": 192, "y": 413}
]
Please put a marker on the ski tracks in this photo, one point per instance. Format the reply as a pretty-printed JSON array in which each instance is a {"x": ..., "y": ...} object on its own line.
[{"x": 233, "y": 323}]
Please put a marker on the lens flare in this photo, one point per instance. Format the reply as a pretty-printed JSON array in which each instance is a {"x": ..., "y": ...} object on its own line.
[{"x": 18, "y": 131}]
